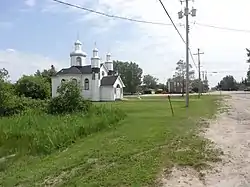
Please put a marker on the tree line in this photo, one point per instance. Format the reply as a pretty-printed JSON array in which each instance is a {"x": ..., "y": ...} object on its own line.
[
  {"x": 38, "y": 85},
  {"x": 228, "y": 83}
]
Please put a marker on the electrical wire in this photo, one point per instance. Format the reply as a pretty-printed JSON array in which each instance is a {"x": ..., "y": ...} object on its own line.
[
  {"x": 144, "y": 21},
  {"x": 191, "y": 54},
  {"x": 172, "y": 21},
  {"x": 128, "y": 19},
  {"x": 226, "y": 71},
  {"x": 222, "y": 28},
  {"x": 109, "y": 15}
]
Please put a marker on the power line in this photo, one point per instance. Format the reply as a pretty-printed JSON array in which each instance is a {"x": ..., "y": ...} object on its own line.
[
  {"x": 128, "y": 19},
  {"x": 192, "y": 57},
  {"x": 227, "y": 71},
  {"x": 222, "y": 28},
  {"x": 144, "y": 21},
  {"x": 109, "y": 15},
  {"x": 191, "y": 54},
  {"x": 172, "y": 21}
]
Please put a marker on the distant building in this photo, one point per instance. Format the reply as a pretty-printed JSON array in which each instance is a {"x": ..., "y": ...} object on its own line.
[{"x": 98, "y": 81}]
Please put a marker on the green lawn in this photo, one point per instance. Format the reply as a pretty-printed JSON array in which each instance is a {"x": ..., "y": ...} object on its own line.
[{"x": 133, "y": 154}]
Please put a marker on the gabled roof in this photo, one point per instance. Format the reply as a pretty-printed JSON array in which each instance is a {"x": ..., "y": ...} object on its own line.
[
  {"x": 76, "y": 70},
  {"x": 109, "y": 80}
]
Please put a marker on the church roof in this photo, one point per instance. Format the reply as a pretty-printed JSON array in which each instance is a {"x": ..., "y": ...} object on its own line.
[
  {"x": 108, "y": 80},
  {"x": 76, "y": 70}
]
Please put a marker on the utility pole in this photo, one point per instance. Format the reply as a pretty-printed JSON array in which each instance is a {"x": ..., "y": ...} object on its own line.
[
  {"x": 187, "y": 55},
  {"x": 180, "y": 14},
  {"x": 199, "y": 69}
]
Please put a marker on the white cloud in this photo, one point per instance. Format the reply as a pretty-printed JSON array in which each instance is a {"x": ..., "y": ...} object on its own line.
[
  {"x": 30, "y": 3},
  {"x": 158, "y": 48},
  {"x": 19, "y": 63}
]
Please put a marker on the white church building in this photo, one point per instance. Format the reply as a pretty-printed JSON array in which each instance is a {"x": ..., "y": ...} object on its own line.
[{"x": 98, "y": 81}]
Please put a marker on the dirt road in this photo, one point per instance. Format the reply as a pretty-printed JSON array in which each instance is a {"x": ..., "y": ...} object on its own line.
[{"x": 231, "y": 133}]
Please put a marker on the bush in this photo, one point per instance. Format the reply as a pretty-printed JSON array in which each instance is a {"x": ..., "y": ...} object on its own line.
[
  {"x": 17, "y": 105},
  {"x": 35, "y": 105},
  {"x": 69, "y": 100},
  {"x": 33, "y": 86},
  {"x": 43, "y": 134},
  {"x": 11, "y": 104}
]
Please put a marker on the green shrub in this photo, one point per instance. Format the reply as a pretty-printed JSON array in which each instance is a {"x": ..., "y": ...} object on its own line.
[
  {"x": 11, "y": 104},
  {"x": 36, "y": 87},
  {"x": 17, "y": 105},
  {"x": 69, "y": 100},
  {"x": 43, "y": 134}
]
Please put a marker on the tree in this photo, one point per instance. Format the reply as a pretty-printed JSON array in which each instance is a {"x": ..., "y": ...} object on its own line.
[
  {"x": 248, "y": 55},
  {"x": 47, "y": 74},
  {"x": 180, "y": 74},
  {"x": 131, "y": 75},
  {"x": 33, "y": 86},
  {"x": 150, "y": 81},
  {"x": 69, "y": 99},
  {"x": 228, "y": 83},
  {"x": 4, "y": 74},
  {"x": 195, "y": 86},
  {"x": 162, "y": 86}
]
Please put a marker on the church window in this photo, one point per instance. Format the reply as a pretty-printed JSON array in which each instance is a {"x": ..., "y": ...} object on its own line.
[
  {"x": 99, "y": 76},
  {"x": 78, "y": 61},
  {"x": 74, "y": 81},
  {"x": 103, "y": 73},
  {"x": 86, "y": 84},
  {"x": 93, "y": 76}
]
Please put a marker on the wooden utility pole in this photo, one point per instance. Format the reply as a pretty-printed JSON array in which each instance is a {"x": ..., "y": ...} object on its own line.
[{"x": 199, "y": 69}]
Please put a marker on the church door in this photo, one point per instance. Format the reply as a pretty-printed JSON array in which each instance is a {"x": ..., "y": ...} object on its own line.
[{"x": 118, "y": 92}]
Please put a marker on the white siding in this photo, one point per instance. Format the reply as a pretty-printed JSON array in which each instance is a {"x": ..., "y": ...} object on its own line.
[
  {"x": 109, "y": 66},
  {"x": 56, "y": 81},
  {"x": 96, "y": 88},
  {"x": 107, "y": 93},
  {"x": 87, "y": 93},
  {"x": 103, "y": 72},
  {"x": 75, "y": 63}
]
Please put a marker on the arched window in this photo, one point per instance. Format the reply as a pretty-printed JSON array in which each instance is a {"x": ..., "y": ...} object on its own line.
[
  {"x": 118, "y": 86},
  {"x": 63, "y": 80},
  {"x": 86, "y": 84},
  {"x": 74, "y": 81},
  {"x": 78, "y": 61},
  {"x": 103, "y": 73}
]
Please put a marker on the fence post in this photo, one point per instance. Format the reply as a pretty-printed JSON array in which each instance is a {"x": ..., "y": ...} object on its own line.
[{"x": 170, "y": 105}]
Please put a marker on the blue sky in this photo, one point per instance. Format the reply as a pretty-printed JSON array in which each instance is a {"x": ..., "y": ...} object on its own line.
[{"x": 36, "y": 34}]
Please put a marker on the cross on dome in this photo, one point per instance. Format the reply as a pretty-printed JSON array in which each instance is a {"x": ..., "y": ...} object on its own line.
[{"x": 95, "y": 49}]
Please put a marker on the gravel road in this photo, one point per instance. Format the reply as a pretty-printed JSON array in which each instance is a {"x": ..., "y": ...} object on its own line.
[{"x": 231, "y": 133}]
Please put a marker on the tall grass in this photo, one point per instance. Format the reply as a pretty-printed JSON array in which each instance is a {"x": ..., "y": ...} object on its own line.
[{"x": 36, "y": 134}]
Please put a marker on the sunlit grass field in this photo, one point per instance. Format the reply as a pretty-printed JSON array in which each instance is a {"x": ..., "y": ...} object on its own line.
[{"x": 132, "y": 152}]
